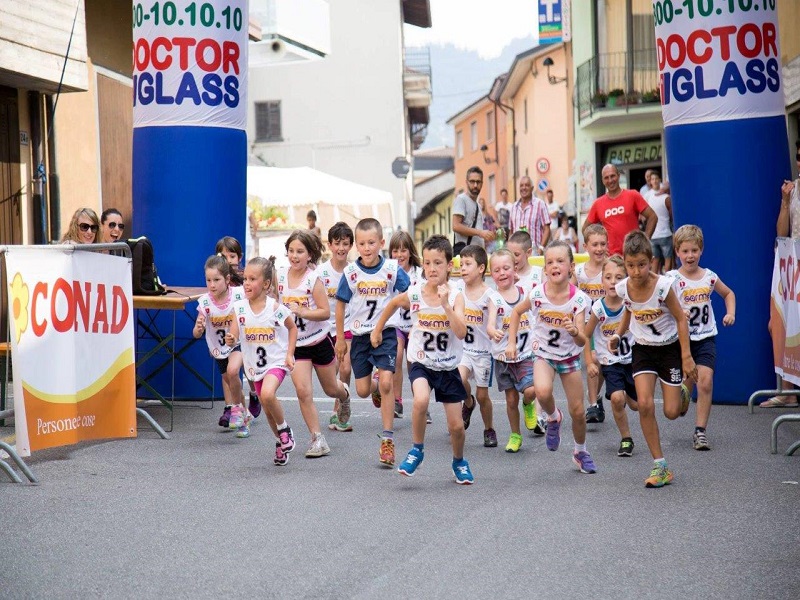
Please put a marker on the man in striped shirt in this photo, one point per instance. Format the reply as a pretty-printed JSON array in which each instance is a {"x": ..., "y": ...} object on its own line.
[{"x": 530, "y": 214}]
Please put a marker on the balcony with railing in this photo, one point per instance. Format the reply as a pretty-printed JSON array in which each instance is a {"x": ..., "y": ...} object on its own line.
[
  {"x": 417, "y": 91},
  {"x": 617, "y": 83}
]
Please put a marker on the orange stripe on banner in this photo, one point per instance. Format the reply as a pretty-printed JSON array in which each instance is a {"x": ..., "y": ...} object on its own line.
[{"x": 108, "y": 413}]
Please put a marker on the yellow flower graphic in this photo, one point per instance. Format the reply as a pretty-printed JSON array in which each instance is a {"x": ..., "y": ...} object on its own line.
[{"x": 19, "y": 305}]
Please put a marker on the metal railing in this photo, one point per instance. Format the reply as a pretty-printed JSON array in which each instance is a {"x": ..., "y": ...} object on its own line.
[
  {"x": 632, "y": 75},
  {"x": 418, "y": 60}
]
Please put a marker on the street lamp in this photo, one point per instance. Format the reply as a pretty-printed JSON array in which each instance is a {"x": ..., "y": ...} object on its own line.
[
  {"x": 486, "y": 159},
  {"x": 548, "y": 62}
]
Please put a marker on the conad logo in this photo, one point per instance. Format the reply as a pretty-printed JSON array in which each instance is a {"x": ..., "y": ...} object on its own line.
[
  {"x": 90, "y": 307},
  {"x": 617, "y": 210}
]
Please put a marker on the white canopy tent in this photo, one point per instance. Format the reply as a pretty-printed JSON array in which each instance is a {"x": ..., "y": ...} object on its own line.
[{"x": 333, "y": 199}]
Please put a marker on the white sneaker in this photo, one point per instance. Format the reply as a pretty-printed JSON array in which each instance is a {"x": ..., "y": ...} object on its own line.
[
  {"x": 344, "y": 406},
  {"x": 318, "y": 447}
]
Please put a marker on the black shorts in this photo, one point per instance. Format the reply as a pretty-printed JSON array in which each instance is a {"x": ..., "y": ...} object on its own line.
[
  {"x": 446, "y": 385},
  {"x": 222, "y": 363},
  {"x": 363, "y": 357},
  {"x": 664, "y": 361},
  {"x": 320, "y": 354},
  {"x": 704, "y": 352},
  {"x": 619, "y": 378}
]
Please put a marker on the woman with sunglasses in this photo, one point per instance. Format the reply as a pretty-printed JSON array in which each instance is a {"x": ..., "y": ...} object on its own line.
[
  {"x": 111, "y": 226},
  {"x": 83, "y": 228}
]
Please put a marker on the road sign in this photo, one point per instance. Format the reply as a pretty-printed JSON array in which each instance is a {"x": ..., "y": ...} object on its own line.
[
  {"x": 543, "y": 185},
  {"x": 542, "y": 165}
]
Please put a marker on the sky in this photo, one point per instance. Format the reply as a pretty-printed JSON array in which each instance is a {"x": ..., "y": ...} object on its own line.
[{"x": 485, "y": 26}]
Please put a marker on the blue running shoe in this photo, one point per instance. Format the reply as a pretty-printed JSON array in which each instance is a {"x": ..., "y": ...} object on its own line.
[
  {"x": 414, "y": 459},
  {"x": 462, "y": 472},
  {"x": 583, "y": 460},
  {"x": 552, "y": 438}
]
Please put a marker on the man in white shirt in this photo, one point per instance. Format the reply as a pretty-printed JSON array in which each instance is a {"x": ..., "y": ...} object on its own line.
[{"x": 552, "y": 208}]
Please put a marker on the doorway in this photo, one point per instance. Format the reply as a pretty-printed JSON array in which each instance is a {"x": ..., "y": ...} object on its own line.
[{"x": 10, "y": 189}]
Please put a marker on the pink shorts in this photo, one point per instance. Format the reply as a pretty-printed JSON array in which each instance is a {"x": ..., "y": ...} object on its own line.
[
  {"x": 348, "y": 336},
  {"x": 279, "y": 374}
]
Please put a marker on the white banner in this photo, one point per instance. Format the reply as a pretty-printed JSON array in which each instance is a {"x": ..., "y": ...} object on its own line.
[
  {"x": 785, "y": 310},
  {"x": 72, "y": 346},
  {"x": 190, "y": 63},
  {"x": 719, "y": 60}
]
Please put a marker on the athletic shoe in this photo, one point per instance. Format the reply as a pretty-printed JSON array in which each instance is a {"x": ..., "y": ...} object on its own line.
[
  {"x": 287, "y": 439},
  {"x": 412, "y": 461},
  {"x": 462, "y": 473},
  {"x": 659, "y": 477},
  {"x": 593, "y": 414},
  {"x": 318, "y": 447},
  {"x": 398, "y": 409},
  {"x": 625, "y": 447},
  {"x": 244, "y": 430},
  {"x": 686, "y": 398},
  {"x": 332, "y": 422},
  {"x": 335, "y": 425},
  {"x": 466, "y": 412},
  {"x": 530, "y": 415},
  {"x": 386, "y": 452},
  {"x": 225, "y": 419},
  {"x": 254, "y": 406},
  {"x": 541, "y": 425},
  {"x": 553, "y": 438},
  {"x": 601, "y": 412},
  {"x": 237, "y": 417},
  {"x": 281, "y": 458},
  {"x": 514, "y": 443},
  {"x": 376, "y": 395},
  {"x": 583, "y": 460},
  {"x": 489, "y": 438},
  {"x": 428, "y": 419},
  {"x": 343, "y": 414},
  {"x": 701, "y": 441}
]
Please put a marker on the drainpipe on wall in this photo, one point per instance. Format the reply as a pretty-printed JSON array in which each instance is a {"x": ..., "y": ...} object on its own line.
[
  {"x": 39, "y": 193},
  {"x": 506, "y": 110},
  {"x": 53, "y": 186}
]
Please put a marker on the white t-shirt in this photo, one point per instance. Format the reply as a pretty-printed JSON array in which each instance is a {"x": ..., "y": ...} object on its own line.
[
  {"x": 550, "y": 337},
  {"x": 531, "y": 279},
  {"x": 218, "y": 320},
  {"x": 476, "y": 316},
  {"x": 503, "y": 210},
  {"x": 263, "y": 337},
  {"x": 401, "y": 319},
  {"x": 503, "y": 322},
  {"x": 607, "y": 325},
  {"x": 591, "y": 286},
  {"x": 369, "y": 293},
  {"x": 658, "y": 202},
  {"x": 308, "y": 332},
  {"x": 695, "y": 296},
  {"x": 553, "y": 207},
  {"x": 431, "y": 341},
  {"x": 330, "y": 279},
  {"x": 651, "y": 322}
]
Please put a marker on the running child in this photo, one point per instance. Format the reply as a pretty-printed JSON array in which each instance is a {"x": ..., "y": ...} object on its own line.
[
  {"x": 267, "y": 334},
  {"x": 521, "y": 247},
  {"x": 589, "y": 279},
  {"x": 403, "y": 250},
  {"x": 476, "y": 359},
  {"x": 434, "y": 349},
  {"x": 513, "y": 376},
  {"x": 694, "y": 288},
  {"x": 615, "y": 367},
  {"x": 215, "y": 313},
  {"x": 340, "y": 241},
  {"x": 301, "y": 290},
  {"x": 556, "y": 310},
  {"x": 367, "y": 286},
  {"x": 661, "y": 345}
]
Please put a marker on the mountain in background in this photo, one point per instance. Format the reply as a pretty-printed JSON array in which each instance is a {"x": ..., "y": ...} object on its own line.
[{"x": 460, "y": 77}]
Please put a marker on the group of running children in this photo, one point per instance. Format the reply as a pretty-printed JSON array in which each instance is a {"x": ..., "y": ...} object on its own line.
[{"x": 627, "y": 324}]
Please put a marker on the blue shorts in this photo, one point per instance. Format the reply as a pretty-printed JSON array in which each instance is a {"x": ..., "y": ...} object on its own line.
[
  {"x": 704, "y": 352},
  {"x": 619, "y": 378},
  {"x": 662, "y": 247},
  {"x": 363, "y": 357},
  {"x": 446, "y": 385},
  {"x": 518, "y": 376}
]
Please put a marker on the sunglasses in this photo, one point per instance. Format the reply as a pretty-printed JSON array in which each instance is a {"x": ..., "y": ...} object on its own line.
[
  {"x": 87, "y": 227},
  {"x": 112, "y": 225}
]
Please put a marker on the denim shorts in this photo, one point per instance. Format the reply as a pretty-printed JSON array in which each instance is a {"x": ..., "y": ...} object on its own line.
[{"x": 662, "y": 247}]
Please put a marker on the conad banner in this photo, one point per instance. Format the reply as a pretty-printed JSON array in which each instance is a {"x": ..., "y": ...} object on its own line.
[
  {"x": 72, "y": 346},
  {"x": 719, "y": 60},
  {"x": 785, "y": 310},
  {"x": 190, "y": 63}
]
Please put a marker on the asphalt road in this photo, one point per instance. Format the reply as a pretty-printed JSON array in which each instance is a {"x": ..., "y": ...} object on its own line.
[{"x": 206, "y": 515}]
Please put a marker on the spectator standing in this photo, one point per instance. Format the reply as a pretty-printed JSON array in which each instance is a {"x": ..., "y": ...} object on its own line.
[
  {"x": 467, "y": 215},
  {"x": 646, "y": 187},
  {"x": 552, "y": 209},
  {"x": 530, "y": 214},
  {"x": 618, "y": 211},
  {"x": 488, "y": 222},
  {"x": 661, "y": 203},
  {"x": 503, "y": 210}
]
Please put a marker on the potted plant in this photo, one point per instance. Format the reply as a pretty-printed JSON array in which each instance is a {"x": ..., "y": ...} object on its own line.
[
  {"x": 599, "y": 99},
  {"x": 651, "y": 96},
  {"x": 614, "y": 96}
]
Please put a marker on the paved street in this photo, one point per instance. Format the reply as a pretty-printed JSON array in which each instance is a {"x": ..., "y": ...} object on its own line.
[{"x": 206, "y": 515}]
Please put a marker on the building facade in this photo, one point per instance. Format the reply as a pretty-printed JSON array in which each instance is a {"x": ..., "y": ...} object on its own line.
[{"x": 352, "y": 114}]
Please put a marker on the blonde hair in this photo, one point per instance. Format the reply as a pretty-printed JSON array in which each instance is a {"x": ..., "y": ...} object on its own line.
[
  {"x": 594, "y": 229},
  {"x": 688, "y": 233},
  {"x": 616, "y": 260},
  {"x": 73, "y": 231},
  {"x": 502, "y": 252}
]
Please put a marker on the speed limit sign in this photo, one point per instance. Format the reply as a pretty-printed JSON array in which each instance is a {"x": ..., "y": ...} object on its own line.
[{"x": 542, "y": 166}]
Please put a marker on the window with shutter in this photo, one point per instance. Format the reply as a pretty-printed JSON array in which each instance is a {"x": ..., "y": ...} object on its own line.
[{"x": 268, "y": 122}]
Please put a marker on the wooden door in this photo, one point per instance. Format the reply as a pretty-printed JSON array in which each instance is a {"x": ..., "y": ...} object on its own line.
[{"x": 10, "y": 190}]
